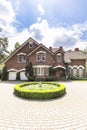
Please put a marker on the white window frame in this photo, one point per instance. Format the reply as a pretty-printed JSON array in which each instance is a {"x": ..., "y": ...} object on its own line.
[
  {"x": 59, "y": 57},
  {"x": 38, "y": 57},
  {"x": 42, "y": 57},
  {"x": 22, "y": 59},
  {"x": 40, "y": 71},
  {"x": 19, "y": 59}
]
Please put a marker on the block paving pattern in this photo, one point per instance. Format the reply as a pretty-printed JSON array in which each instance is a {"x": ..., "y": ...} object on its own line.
[{"x": 66, "y": 113}]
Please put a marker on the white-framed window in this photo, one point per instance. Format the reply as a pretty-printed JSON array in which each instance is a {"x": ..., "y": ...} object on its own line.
[
  {"x": 74, "y": 71},
  {"x": 40, "y": 71},
  {"x": 80, "y": 72},
  {"x": 21, "y": 59},
  {"x": 38, "y": 57},
  {"x": 41, "y": 57},
  {"x": 47, "y": 71},
  {"x": 59, "y": 57}
]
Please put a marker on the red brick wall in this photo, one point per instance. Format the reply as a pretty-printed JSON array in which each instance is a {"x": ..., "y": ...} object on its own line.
[
  {"x": 49, "y": 58},
  {"x": 12, "y": 62}
]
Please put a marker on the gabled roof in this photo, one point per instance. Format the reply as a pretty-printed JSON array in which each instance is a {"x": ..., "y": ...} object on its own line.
[
  {"x": 29, "y": 39},
  {"x": 72, "y": 55},
  {"x": 41, "y": 45},
  {"x": 60, "y": 49},
  {"x": 54, "y": 49}
]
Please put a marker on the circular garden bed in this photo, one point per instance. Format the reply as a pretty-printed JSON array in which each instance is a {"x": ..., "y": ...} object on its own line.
[{"x": 39, "y": 90}]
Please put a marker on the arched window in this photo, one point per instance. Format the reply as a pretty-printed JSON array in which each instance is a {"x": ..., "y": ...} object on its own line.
[
  {"x": 80, "y": 72},
  {"x": 74, "y": 71}
]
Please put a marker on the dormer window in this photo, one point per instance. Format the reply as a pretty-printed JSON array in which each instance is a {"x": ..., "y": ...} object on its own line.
[
  {"x": 59, "y": 58},
  {"x": 41, "y": 56}
]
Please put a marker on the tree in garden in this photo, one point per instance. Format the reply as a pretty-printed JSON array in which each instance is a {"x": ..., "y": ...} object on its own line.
[
  {"x": 4, "y": 74},
  {"x": 3, "y": 47},
  {"x": 29, "y": 71}
]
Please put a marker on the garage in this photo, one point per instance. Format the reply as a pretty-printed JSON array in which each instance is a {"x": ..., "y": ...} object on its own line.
[
  {"x": 12, "y": 75},
  {"x": 23, "y": 76}
]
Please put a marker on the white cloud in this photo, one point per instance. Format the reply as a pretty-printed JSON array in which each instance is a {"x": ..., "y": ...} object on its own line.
[
  {"x": 7, "y": 14},
  {"x": 69, "y": 36},
  {"x": 40, "y": 8},
  {"x": 51, "y": 36}
]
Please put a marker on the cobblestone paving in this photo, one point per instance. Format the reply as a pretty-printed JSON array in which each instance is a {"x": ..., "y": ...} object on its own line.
[{"x": 66, "y": 113}]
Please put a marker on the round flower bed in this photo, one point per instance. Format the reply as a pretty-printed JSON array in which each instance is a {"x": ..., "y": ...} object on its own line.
[{"x": 35, "y": 90}]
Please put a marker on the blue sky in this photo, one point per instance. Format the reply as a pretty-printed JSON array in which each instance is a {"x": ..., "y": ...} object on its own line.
[{"x": 51, "y": 22}]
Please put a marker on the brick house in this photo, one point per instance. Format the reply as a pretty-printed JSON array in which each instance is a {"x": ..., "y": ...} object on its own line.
[{"x": 42, "y": 58}]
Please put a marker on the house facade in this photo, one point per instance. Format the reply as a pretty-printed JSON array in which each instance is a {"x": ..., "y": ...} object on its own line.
[{"x": 42, "y": 58}]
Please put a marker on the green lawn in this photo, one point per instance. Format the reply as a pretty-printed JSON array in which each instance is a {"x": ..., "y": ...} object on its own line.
[{"x": 37, "y": 87}]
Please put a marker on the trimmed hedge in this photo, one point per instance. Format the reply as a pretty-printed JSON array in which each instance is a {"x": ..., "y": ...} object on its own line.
[
  {"x": 39, "y": 94},
  {"x": 77, "y": 78}
]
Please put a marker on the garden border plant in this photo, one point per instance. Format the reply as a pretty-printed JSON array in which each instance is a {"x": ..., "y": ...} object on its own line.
[{"x": 40, "y": 94}]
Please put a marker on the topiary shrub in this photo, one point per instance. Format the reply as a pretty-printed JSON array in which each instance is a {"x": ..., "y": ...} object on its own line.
[{"x": 39, "y": 94}]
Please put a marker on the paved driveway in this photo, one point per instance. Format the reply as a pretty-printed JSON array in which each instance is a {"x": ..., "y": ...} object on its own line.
[{"x": 66, "y": 113}]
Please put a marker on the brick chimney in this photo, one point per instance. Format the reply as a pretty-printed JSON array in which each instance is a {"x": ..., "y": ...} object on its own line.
[
  {"x": 76, "y": 49},
  {"x": 50, "y": 48},
  {"x": 61, "y": 48}
]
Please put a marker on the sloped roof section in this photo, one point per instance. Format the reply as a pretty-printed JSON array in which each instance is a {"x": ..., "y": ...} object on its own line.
[
  {"x": 54, "y": 49},
  {"x": 28, "y": 40},
  {"x": 73, "y": 55},
  {"x": 41, "y": 45}
]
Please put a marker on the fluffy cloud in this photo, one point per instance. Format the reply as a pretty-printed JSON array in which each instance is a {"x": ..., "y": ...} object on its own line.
[
  {"x": 69, "y": 36},
  {"x": 7, "y": 14},
  {"x": 40, "y": 8}
]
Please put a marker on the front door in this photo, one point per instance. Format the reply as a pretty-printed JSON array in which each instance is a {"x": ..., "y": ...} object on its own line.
[{"x": 60, "y": 73}]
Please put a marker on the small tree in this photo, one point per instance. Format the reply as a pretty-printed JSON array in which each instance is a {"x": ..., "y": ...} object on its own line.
[
  {"x": 4, "y": 74},
  {"x": 29, "y": 72}
]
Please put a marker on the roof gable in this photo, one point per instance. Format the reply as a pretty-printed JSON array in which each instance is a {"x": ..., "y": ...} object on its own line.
[
  {"x": 41, "y": 45},
  {"x": 28, "y": 40}
]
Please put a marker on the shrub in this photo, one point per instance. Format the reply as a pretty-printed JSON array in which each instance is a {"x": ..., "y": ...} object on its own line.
[
  {"x": 58, "y": 91},
  {"x": 77, "y": 78},
  {"x": 4, "y": 74},
  {"x": 50, "y": 78},
  {"x": 31, "y": 78}
]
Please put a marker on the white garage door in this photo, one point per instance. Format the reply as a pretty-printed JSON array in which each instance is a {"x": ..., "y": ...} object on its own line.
[
  {"x": 23, "y": 76},
  {"x": 12, "y": 76}
]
